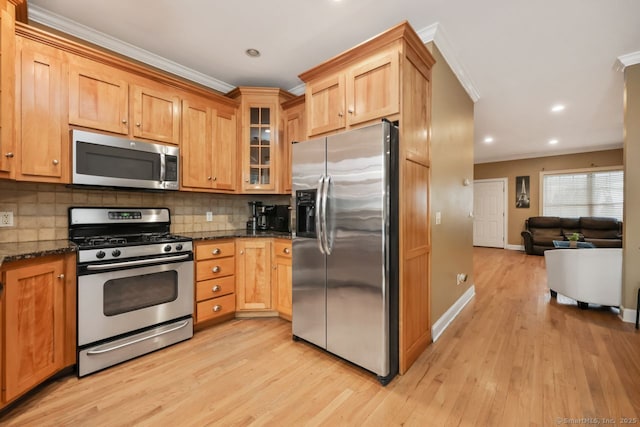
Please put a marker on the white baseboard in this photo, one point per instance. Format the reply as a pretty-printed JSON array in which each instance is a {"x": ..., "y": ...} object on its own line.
[
  {"x": 515, "y": 247},
  {"x": 628, "y": 314},
  {"x": 443, "y": 322}
]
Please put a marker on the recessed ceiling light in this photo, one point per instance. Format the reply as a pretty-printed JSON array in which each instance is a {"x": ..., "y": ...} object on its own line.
[
  {"x": 488, "y": 140},
  {"x": 557, "y": 108},
  {"x": 254, "y": 53},
  {"x": 553, "y": 141}
]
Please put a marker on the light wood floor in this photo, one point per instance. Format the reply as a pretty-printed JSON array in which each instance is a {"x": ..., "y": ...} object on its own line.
[{"x": 513, "y": 357}]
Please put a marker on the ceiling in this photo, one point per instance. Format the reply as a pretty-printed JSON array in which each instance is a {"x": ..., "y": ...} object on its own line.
[{"x": 515, "y": 58}]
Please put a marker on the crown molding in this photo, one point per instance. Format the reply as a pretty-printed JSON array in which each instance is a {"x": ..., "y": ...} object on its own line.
[
  {"x": 433, "y": 32},
  {"x": 627, "y": 60},
  {"x": 436, "y": 34},
  {"x": 297, "y": 90},
  {"x": 60, "y": 23}
]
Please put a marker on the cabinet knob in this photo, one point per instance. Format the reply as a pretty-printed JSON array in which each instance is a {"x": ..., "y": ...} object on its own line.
[
  {"x": 275, "y": 267},
  {"x": 217, "y": 308},
  {"x": 61, "y": 276},
  {"x": 216, "y": 269},
  {"x": 208, "y": 178},
  {"x": 286, "y": 250},
  {"x": 242, "y": 252},
  {"x": 55, "y": 161},
  {"x": 340, "y": 114},
  {"x": 246, "y": 180},
  {"x": 9, "y": 155},
  {"x": 138, "y": 124},
  {"x": 216, "y": 288},
  {"x": 216, "y": 251},
  {"x": 350, "y": 110},
  {"x": 124, "y": 121},
  {"x": 215, "y": 178}
]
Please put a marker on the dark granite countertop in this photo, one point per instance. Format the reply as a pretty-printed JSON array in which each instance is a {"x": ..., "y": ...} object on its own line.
[
  {"x": 227, "y": 234},
  {"x": 10, "y": 252}
]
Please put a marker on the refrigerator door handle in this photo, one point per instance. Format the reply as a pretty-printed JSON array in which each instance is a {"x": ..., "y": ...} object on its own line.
[
  {"x": 319, "y": 222},
  {"x": 325, "y": 232}
]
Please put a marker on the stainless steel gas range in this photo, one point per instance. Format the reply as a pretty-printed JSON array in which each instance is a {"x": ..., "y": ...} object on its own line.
[{"x": 135, "y": 284}]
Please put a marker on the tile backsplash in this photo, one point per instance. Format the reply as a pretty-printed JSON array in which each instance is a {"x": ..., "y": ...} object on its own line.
[{"x": 40, "y": 210}]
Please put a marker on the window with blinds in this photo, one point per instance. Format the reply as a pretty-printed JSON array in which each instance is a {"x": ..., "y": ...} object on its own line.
[{"x": 589, "y": 193}]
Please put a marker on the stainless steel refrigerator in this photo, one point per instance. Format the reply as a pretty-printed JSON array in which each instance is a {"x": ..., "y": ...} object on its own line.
[{"x": 345, "y": 246}]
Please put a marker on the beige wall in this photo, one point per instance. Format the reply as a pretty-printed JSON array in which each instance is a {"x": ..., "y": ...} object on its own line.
[
  {"x": 631, "y": 264},
  {"x": 40, "y": 210},
  {"x": 452, "y": 162},
  {"x": 532, "y": 168}
]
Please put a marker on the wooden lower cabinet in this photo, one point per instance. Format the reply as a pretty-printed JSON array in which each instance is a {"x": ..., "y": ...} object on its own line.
[
  {"x": 253, "y": 272},
  {"x": 215, "y": 281},
  {"x": 281, "y": 277},
  {"x": 38, "y": 322}
]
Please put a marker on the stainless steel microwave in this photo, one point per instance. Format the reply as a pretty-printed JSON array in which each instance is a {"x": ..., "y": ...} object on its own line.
[{"x": 100, "y": 159}]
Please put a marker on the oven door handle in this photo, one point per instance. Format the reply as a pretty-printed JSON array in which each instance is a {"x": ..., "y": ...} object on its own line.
[
  {"x": 136, "y": 262},
  {"x": 128, "y": 343}
]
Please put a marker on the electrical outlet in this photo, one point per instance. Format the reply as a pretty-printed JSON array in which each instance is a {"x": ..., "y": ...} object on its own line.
[
  {"x": 461, "y": 278},
  {"x": 209, "y": 216},
  {"x": 6, "y": 219}
]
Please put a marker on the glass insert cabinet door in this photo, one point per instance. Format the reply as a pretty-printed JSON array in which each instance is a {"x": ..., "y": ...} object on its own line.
[{"x": 260, "y": 146}]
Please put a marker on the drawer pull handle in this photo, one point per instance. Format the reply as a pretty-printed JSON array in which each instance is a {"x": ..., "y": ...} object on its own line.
[
  {"x": 216, "y": 288},
  {"x": 216, "y": 269},
  {"x": 216, "y": 251},
  {"x": 217, "y": 308},
  {"x": 286, "y": 250}
]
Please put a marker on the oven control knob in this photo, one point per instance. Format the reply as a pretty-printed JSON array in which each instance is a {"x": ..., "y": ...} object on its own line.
[
  {"x": 116, "y": 252},
  {"x": 100, "y": 254},
  {"x": 178, "y": 247},
  {"x": 167, "y": 248}
]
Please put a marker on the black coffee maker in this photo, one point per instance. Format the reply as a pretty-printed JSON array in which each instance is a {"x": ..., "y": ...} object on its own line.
[
  {"x": 256, "y": 220},
  {"x": 277, "y": 217}
]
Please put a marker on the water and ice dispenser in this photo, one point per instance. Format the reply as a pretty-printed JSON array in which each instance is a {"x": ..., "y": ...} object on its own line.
[{"x": 306, "y": 213}]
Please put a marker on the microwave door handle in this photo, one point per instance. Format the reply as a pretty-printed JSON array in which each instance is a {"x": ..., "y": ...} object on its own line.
[
  {"x": 318, "y": 218},
  {"x": 163, "y": 167}
]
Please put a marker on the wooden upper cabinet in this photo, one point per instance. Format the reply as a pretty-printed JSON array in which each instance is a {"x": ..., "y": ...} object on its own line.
[
  {"x": 156, "y": 114},
  {"x": 7, "y": 87},
  {"x": 209, "y": 137},
  {"x": 373, "y": 88},
  {"x": 98, "y": 97},
  {"x": 196, "y": 144},
  {"x": 261, "y": 138},
  {"x": 326, "y": 104},
  {"x": 359, "y": 92},
  {"x": 35, "y": 325},
  {"x": 112, "y": 100},
  {"x": 43, "y": 140},
  {"x": 294, "y": 130},
  {"x": 225, "y": 141}
]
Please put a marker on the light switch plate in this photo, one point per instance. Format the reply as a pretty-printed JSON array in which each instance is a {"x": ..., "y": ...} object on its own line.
[
  {"x": 438, "y": 218},
  {"x": 209, "y": 216}
]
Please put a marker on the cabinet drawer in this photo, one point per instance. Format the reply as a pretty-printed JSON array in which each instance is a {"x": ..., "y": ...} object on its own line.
[
  {"x": 215, "y": 250},
  {"x": 282, "y": 248},
  {"x": 215, "y": 307},
  {"x": 213, "y": 268},
  {"x": 215, "y": 288}
]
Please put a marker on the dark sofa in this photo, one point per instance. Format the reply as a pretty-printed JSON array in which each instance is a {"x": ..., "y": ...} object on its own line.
[{"x": 541, "y": 231}]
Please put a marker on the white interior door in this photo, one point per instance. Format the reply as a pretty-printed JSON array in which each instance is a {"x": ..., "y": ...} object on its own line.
[{"x": 489, "y": 213}]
